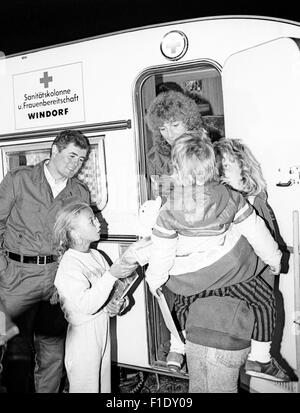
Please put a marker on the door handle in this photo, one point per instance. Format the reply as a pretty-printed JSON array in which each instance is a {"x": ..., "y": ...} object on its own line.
[
  {"x": 288, "y": 183},
  {"x": 288, "y": 177}
]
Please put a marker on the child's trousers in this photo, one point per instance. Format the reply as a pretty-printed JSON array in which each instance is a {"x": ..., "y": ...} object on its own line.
[
  {"x": 256, "y": 292},
  {"x": 87, "y": 358}
]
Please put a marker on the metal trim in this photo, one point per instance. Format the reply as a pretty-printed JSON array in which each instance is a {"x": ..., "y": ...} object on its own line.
[
  {"x": 93, "y": 127},
  {"x": 124, "y": 239}
]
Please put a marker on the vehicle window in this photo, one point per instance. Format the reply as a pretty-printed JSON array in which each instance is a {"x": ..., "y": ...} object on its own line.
[{"x": 93, "y": 172}]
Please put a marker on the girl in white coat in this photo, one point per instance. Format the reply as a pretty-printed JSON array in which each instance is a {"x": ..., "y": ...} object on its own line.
[{"x": 84, "y": 282}]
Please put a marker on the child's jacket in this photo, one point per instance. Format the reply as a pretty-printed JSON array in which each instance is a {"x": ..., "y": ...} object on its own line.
[{"x": 199, "y": 240}]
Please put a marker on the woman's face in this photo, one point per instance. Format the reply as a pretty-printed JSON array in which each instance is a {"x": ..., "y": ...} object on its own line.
[
  {"x": 232, "y": 172},
  {"x": 172, "y": 130}
]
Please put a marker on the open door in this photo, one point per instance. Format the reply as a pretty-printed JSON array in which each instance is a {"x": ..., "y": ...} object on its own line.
[
  {"x": 261, "y": 93},
  {"x": 202, "y": 81}
]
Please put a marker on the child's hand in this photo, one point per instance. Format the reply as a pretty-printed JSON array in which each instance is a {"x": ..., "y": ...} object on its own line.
[
  {"x": 154, "y": 286},
  {"x": 2, "y": 341},
  {"x": 10, "y": 333},
  {"x": 155, "y": 292},
  {"x": 121, "y": 268},
  {"x": 275, "y": 270},
  {"x": 126, "y": 264},
  {"x": 116, "y": 306}
]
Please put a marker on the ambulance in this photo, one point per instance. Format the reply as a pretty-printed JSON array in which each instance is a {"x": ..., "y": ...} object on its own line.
[{"x": 247, "y": 70}]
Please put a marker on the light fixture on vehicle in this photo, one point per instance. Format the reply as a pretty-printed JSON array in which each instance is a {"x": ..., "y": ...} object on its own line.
[{"x": 174, "y": 45}]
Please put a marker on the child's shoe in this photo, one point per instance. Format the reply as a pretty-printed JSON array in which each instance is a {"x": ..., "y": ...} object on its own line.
[
  {"x": 269, "y": 371},
  {"x": 175, "y": 361}
]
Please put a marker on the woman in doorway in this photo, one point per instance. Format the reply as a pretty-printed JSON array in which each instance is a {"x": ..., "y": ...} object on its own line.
[{"x": 171, "y": 114}]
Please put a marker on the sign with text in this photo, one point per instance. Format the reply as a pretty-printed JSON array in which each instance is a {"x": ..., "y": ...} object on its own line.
[{"x": 48, "y": 97}]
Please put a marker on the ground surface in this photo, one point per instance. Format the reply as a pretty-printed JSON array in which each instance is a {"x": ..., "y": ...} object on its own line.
[{"x": 142, "y": 382}]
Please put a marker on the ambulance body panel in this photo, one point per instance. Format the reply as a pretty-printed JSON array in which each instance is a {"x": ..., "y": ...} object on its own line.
[{"x": 250, "y": 69}]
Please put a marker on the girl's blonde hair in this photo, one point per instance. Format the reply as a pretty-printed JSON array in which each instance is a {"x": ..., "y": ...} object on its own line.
[
  {"x": 64, "y": 224},
  {"x": 193, "y": 159},
  {"x": 251, "y": 173}
]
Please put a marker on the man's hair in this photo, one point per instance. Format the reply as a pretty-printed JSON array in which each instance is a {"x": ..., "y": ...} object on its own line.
[
  {"x": 193, "y": 159},
  {"x": 251, "y": 173},
  {"x": 65, "y": 137},
  {"x": 174, "y": 106}
]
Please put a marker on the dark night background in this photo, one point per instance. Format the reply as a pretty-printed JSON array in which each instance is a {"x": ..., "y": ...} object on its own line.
[{"x": 30, "y": 24}]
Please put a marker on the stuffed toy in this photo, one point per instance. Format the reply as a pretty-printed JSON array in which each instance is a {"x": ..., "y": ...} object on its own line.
[{"x": 148, "y": 213}]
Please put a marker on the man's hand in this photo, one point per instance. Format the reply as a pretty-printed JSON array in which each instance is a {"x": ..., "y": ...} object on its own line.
[
  {"x": 54, "y": 299},
  {"x": 3, "y": 263}
]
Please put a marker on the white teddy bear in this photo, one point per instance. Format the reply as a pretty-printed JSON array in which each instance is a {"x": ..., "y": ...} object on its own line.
[
  {"x": 147, "y": 216},
  {"x": 148, "y": 213}
]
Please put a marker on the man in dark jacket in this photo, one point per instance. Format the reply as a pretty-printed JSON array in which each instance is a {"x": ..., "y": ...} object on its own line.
[{"x": 30, "y": 197}]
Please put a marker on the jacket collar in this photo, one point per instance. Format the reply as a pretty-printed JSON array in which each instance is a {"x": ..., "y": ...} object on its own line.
[{"x": 38, "y": 177}]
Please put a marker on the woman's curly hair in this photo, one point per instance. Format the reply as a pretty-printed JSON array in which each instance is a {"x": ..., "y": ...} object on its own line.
[
  {"x": 251, "y": 173},
  {"x": 170, "y": 106}
]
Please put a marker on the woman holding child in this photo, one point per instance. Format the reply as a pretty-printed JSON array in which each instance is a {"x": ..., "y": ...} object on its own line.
[{"x": 220, "y": 321}]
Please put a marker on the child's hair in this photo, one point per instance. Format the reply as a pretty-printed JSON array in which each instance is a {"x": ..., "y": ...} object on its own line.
[
  {"x": 170, "y": 106},
  {"x": 251, "y": 173},
  {"x": 193, "y": 159},
  {"x": 64, "y": 224}
]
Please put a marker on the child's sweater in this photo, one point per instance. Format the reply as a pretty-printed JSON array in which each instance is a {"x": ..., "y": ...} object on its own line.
[
  {"x": 83, "y": 282},
  {"x": 200, "y": 227}
]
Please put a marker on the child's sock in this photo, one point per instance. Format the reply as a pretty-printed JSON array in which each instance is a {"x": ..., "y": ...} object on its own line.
[
  {"x": 260, "y": 351},
  {"x": 177, "y": 346}
]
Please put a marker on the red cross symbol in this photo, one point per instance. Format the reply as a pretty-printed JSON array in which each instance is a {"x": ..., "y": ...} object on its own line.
[
  {"x": 172, "y": 45},
  {"x": 46, "y": 80}
]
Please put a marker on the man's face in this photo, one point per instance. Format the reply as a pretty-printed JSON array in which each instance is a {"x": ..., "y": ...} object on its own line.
[{"x": 67, "y": 162}]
